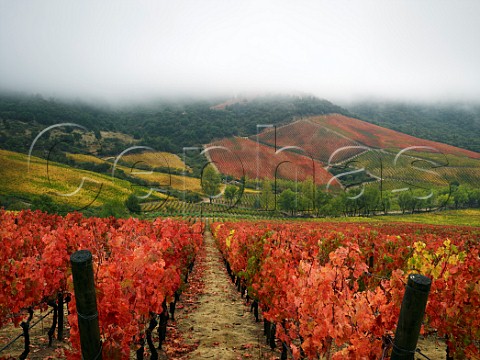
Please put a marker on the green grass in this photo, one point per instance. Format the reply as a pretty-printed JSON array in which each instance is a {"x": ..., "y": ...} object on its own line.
[{"x": 470, "y": 217}]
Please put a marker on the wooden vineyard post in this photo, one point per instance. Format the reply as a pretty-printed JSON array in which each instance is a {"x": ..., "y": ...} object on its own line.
[
  {"x": 411, "y": 317},
  {"x": 84, "y": 286}
]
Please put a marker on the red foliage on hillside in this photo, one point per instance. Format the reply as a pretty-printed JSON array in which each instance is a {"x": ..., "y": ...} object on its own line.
[
  {"x": 316, "y": 140},
  {"x": 379, "y": 137},
  {"x": 247, "y": 157}
]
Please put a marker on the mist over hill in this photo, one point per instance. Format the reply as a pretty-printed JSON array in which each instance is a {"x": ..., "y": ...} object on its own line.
[{"x": 169, "y": 124}]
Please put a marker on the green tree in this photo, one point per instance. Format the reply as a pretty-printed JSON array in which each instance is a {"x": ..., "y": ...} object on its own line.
[
  {"x": 267, "y": 198},
  {"x": 98, "y": 135},
  {"x": 474, "y": 198},
  {"x": 287, "y": 201},
  {"x": 113, "y": 208},
  {"x": 443, "y": 200},
  {"x": 460, "y": 196},
  {"x": 322, "y": 199},
  {"x": 429, "y": 202},
  {"x": 132, "y": 204},
  {"x": 370, "y": 200},
  {"x": 335, "y": 206},
  {"x": 308, "y": 194},
  {"x": 211, "y": 181},
  {"x": 44, "y": 203},
  {"x": 386, "y": 202},
  {"x": 405, "y": 200},
  {"x": 230, "y": 193},
  {"x": 353, "y": 201}
]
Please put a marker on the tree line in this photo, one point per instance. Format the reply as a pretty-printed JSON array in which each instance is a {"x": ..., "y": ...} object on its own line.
[
  {"x": 306, "y": 199},
  {"x": 163, "y": 125},
  {"x": 456, "y": 124}
]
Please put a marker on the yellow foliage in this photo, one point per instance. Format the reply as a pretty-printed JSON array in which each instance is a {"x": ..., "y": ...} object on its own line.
[
  {"x": 85, "y": 158},
  {"x": 178, "y": 182},
  {"x": 156, "y": 159},
  {"x": 152, "y": 159},
  {"x": 435, "y": 263},
  {"x": 228, "y": 240},
  {"x": 85, "y": 187}
]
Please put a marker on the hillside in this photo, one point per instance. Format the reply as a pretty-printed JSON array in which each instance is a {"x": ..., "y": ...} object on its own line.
[
  {"x": 320, "y": 136},
  {"x": 416, "y": 169},
  {"x": 75, "y": 188},
  {"x": 382, "y": 138},
  {"x": 317, "y": 141},
  {"x": 144, "y": 167},
  {"x": 163, "y": 125},
  {"x": 316, "y": 127},
  {"x": 245, "y": 157},
  {"x": 347, "y": 143},
  {"x": 170, "y": 125},
  {"x": 24, "y": 181}
]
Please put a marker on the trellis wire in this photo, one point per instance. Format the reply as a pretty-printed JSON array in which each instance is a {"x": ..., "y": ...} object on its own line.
[{"x": 31, "y": 326}]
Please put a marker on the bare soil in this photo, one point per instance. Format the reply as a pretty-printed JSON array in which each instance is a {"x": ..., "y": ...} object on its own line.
[{"x": 38, "y": 339}]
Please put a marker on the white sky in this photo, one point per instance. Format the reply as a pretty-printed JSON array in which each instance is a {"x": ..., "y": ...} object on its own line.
[{"x": 339, "y": 50}]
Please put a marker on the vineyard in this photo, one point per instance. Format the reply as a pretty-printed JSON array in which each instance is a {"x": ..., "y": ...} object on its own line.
[
  {"x": 382, "y": 138},
  {"x": 421, "y": 169},
  {"x": 139, "y": 268},
  {"x": 335, "y": 290},
  {"x": 21, "y": 179},
  {"x": 336, "y": 144},
  {"x": 156, "y": 160},
  {"x": 141, "y": 166},
  {"x": 316, "y": 140},
  {"x": 247, "y": 158},
  {"x": 324, "y": 290}
]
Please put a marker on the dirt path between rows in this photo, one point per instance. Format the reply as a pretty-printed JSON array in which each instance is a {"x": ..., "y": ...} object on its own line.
[{"x": 219, "y": 321}]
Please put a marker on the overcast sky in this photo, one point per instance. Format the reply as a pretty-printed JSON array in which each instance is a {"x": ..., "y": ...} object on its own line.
[{"x": 339, "y": 50}]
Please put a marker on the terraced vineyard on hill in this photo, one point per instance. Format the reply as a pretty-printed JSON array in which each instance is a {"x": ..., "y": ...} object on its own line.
[
  {"x": 240, "y": 157},
  {"x": 337, "y": 142}
]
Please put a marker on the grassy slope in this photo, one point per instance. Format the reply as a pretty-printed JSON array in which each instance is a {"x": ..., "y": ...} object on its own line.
[
  {"x": 56, "y": 180},
  {"x": 156, "y": 159},
  {"x": 177, "y": 182},
  {"x": 469, "y": 217},
  {"x": 21, "y": 181}
]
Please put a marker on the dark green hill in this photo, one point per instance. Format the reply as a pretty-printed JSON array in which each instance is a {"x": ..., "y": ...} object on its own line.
[
  {"x": 454, "y": 124},
  {"x": 163, "y": 125}
]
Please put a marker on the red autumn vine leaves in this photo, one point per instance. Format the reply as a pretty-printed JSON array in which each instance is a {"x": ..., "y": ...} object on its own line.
[
  {"x": 137, "y": 264},
  {"x": 314, "y": 282}
]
